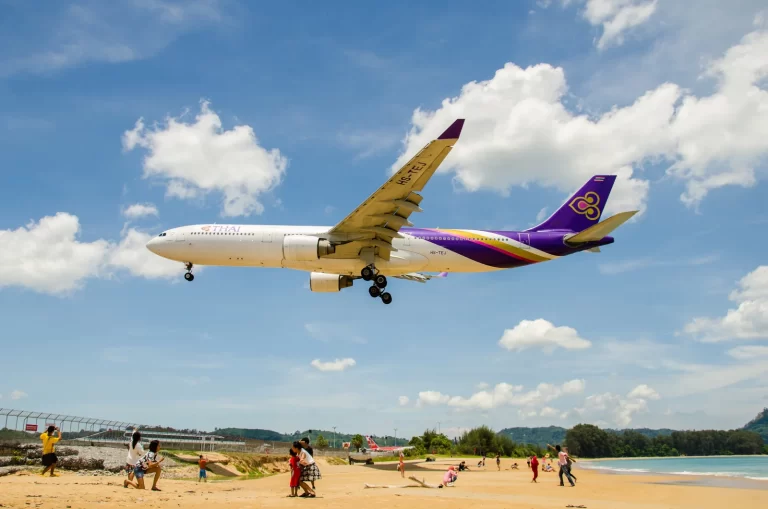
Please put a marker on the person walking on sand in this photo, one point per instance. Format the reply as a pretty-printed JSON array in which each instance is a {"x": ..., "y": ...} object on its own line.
[
  {"x": 135, "y": 453},
  {"x": 534, "y": 463},
  {"x": 401, "y": 465},
  {"x": 570, "y": 460},
  {"x": 49, "y": 447},
  {"x": 498, "y": 461},
  {"x": 203, "y": 474},
  {"x": 148, "y": 464},
  {"x": 293, "y": 461},
  {"x": 562, "y": 461}
]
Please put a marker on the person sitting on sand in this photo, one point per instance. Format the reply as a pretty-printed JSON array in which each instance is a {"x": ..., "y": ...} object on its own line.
[
  {"x": 49, "y": 445},
  {"x": 309, "y": 470},
  {"x": 463, "y": 466},
  {"x": 148, "y": 464},
  {"x": 514, "y": 466},
  {"x": 449, "y": 477},
  {"x": 295, "y": 472},
  {"x": 135, "y": 452}
]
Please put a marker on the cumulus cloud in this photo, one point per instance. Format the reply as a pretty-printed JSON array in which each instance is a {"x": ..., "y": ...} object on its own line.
[
  {"x": 617, "y": 17},
  {"x": 748, "y": 352},
  {"x": 403, "y": 400},
  {"x": 47, "y": 256},
  {"x": 199, "y": 157},
  {"x": 482, "y": 386},
  {"x": 617, "y": 409},
  {"x": 548, "y": 411},
  {"x": 542, "y": 334},
  {"x": 336, "y": 365},
  {"x": 520, "y": 132},
  {"x": 749, "y": 320},
  {"x": 139, "y": 210},
  {"x": 503, "y": 394},
  {"x": 17, "y": 394}
]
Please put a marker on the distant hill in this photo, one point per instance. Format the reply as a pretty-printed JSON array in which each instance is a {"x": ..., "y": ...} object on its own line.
[
  {"x": 759, "y": 425},
  {"x": 556, "y": 434},
  {"x": 274, "y": 436}
]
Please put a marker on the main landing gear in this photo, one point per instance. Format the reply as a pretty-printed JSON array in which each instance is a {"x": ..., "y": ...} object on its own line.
[
  {"x": 189, "y": 276},
  {"x": 379, "y": 284}
]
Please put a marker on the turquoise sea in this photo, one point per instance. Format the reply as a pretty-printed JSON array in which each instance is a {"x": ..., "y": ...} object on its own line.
[{"x": 747, "y": 467}]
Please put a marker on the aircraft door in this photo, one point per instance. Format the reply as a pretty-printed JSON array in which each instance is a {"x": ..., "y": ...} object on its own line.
[
  {"x": 180, "y": 237},
  {"x": 170, "y": 236},
  {"x": 525, "y": 240}
]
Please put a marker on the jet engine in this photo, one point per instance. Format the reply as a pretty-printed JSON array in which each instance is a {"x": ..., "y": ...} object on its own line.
[
  {"x": 321, "y": 282},
  {"x": 304, "y": 248}
]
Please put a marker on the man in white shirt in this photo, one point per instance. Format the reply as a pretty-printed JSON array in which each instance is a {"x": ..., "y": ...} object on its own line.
[{"x": 562, "y": 461}]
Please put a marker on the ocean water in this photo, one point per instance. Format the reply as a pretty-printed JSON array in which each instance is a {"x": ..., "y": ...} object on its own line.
[{"x": 747, "y": 467}]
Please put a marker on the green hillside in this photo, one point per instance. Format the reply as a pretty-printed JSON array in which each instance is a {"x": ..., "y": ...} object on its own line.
[
  {"x": 536, "y": 436},
  {"x": 274, "y": 436},
  {"x": 759, "y": 424}
]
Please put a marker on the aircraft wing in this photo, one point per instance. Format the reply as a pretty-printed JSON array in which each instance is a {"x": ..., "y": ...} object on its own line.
[
  {"x": 376, "y": 221},
  {"x": 421, "y": 278}
]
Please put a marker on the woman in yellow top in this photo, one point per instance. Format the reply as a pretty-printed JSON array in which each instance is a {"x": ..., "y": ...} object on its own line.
[{"x": 49, "y": 456}]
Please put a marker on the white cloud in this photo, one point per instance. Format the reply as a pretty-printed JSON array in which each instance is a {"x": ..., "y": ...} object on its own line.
[
  {"x": 200, "y": 157},
  {"x": 503, "y": 394},
  {"x": 403, "y": 400},
  {"x": 542, "y": 334},
  {"x": 46, "y": 256},
  {"x": 132, "y": 255},
  {"x": 519, "y": 131},
  {"x": 336, "y": 365},
  {"x": 748, "y": 352},
  {"x": 17, "y": 394},
  {"x": 617, "y": 17},
  {"x": 643, "y": 392},
  {"x": 747, "y": 321},
  {"x": 482, "y": 386},
  {"x": 431, "y": 398},
  {"x": 542, "y": 215},
  {"x": 548, "y": 411},
  {"x": 138, "y": 210},
  {"x": 611, "y": 406},
  {"x": 86, "y": 32}
]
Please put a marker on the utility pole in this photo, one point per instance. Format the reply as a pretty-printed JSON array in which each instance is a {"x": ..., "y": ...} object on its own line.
[
  {"x": 395, "y": 436},
  {"x": 438, "y": 427},
  {"x": 334, "y": 437}
]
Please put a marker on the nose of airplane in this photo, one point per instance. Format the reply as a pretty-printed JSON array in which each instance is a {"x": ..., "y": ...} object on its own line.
[{"x": 153, "y": 244}]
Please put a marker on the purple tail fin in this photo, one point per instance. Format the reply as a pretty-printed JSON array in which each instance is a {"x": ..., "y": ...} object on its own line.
[{"x": 583, "y": 209}]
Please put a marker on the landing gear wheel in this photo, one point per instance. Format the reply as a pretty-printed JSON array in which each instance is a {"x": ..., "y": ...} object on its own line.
[
  {"x": 374, "y": 291},
  {"x": 367, "y": 273},
  {"x": 386, "y": 298},
  {"x": 189, "y": 276},
  {"x": 380, "y": 281}
]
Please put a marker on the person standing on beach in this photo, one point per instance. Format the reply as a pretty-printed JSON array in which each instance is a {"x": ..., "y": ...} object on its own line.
[
  {"x": 562, "y": 461},
  {"x": 49, "y": 445},
  {"x": 401, "y": 465},
  {"x": 305, "y": 445},
  {"x": 498, "y": 461},
  {"x": 309, "y": 470},
  {"x": 135, "y": 453},
  {"x": 202, "y": 462},
  {"x": 295, "y": 472},
  {"x": 534, "y": 463},
  {"x": 569, "y": 461}
]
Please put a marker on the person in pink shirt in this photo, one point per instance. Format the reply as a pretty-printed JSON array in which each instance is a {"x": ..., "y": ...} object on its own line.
[{"x": 450, "y": 476}]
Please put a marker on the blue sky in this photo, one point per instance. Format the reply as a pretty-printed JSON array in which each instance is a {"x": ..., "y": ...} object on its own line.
[{"x": 315, "y": 106}]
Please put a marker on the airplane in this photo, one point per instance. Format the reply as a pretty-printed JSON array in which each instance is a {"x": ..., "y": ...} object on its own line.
[
  {"x": 377, "y": 239},
  {"x": 373, "y": 447}
]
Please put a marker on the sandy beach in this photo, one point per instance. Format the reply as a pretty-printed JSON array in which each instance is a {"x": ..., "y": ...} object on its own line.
[{"x": 343, "y": 487}]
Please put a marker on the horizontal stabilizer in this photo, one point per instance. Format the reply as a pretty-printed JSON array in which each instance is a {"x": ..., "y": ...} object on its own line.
[
  {"x": 594, "y": 249},
  {"x": 601, "y": 229},
  {"x": 421, "y": 278}
]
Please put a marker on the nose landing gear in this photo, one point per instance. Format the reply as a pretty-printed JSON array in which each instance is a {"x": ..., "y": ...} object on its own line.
[
  {"x": 189, "y": 276},
  {"x": 369, "y": 273}
]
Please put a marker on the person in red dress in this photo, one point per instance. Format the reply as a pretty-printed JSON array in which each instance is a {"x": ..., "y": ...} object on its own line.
[
  {"x": 535, "y": 467},
  {"x": 295, "y": 473}
]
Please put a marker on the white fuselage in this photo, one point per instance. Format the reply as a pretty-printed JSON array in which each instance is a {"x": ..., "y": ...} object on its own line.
[{"x": 263, "y": 246}]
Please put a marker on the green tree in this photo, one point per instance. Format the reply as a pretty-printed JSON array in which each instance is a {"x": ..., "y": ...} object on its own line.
[
  {"x": 357, "y": 442},
  {"x": 321, "y": 442}
]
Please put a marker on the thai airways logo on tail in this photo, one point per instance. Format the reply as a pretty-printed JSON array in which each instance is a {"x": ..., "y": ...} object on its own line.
[{"x": 583, "y": 209}]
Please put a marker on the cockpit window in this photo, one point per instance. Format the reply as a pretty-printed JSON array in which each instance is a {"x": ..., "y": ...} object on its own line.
[{"x": 162, "y": 235}]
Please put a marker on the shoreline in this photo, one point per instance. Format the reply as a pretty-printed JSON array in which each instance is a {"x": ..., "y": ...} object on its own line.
[{"x": 585, "y": 460}]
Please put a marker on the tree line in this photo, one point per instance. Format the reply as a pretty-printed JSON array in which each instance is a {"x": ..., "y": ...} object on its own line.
[{"x": 588, "y": 441}]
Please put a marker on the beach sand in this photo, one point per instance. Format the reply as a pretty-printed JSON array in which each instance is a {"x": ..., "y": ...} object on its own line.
[{"x": 343, "y": 487}]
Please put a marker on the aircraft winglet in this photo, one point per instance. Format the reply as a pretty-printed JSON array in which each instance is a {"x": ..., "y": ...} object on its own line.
[{"x": 454, "y": 131}]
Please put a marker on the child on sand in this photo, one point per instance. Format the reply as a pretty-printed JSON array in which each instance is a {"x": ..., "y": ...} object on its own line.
[
  {"x": 535, "y": 467},
  {"x": 295, "y": 472},
  {"x": 203, "y": 474}
]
